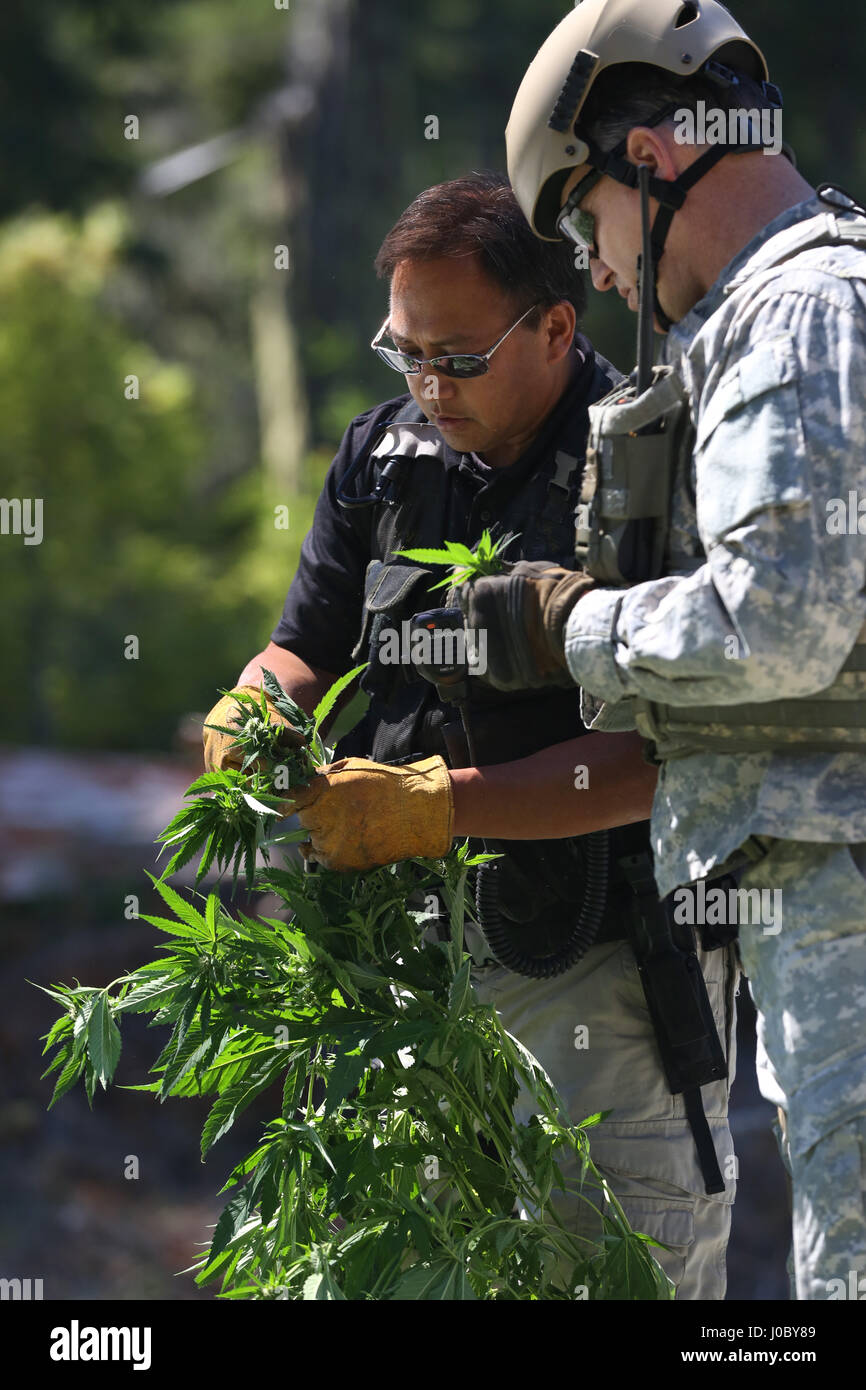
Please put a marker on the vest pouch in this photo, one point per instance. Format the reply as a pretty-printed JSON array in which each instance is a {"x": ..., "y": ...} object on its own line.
[
  {"x": 623, "y": 516},
  {"x": 393, "y": 593}
]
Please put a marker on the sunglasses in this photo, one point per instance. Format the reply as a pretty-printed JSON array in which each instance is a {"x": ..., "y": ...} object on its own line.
[
  {"x": 576, "y": 226},
  {"x": 458, "y": 364}
]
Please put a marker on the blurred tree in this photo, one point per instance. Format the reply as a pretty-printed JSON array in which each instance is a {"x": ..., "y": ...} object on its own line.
[{"x": 133, "y": 602}]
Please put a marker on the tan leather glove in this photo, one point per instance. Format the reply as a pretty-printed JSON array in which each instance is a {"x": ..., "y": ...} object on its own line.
[
  {"x": 361, "y": 814},
  {"x": 218, "y": 753}
]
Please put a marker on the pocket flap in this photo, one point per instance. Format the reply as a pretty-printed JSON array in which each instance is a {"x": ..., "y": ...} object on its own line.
[
  {"x": 766, "y": 367},
  {"x": 389, "y": 586}
]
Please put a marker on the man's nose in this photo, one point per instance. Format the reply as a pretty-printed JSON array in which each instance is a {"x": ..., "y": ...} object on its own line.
[
  {"x": 436, "y": 385},
  {"x": 603, "y": 277}
]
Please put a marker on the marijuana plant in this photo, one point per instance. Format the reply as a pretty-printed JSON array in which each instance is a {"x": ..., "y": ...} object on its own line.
[
  {"x": 464, "y": 564},
  {"x": 394, "y": 1167}
]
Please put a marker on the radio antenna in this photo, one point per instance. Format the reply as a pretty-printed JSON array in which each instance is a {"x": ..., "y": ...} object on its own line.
[{"x": 646, "y": 287}]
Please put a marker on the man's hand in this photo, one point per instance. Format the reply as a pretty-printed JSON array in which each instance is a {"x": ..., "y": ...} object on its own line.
[
  {"x": 524, "y": 613},
  {"x": 229, "y": 712},
  {"x": 361, "y": 814}
]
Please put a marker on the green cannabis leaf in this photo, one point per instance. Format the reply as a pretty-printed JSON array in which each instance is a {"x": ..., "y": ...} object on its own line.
[{"x": 486, "y": 558}]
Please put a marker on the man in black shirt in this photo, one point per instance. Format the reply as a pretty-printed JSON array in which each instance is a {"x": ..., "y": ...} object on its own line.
[{"x": 483, "y": 321}]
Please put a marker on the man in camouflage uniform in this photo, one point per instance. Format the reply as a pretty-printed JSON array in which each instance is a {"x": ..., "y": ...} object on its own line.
[{"x": 741, "y": 658}]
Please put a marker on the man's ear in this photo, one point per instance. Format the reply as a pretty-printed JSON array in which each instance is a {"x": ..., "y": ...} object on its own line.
[
  {"x": 560, "y": 324},
  {"x": 647, "y": 145}
]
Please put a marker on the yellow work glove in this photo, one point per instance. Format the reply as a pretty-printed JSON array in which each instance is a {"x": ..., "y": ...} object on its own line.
[
  {"x": 218, "y": 752},
  {"x": 361, "y": 814}
]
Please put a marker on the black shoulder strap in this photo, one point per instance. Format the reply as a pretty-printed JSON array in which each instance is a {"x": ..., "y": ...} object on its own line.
[
  {"x": 676, "y": 994},
  {"x": 568, "y": 458}
]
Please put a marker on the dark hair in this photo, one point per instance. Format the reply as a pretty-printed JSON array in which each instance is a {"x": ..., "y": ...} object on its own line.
[
  {"x": 478, "y": 215},
  {"x": 630, "y": 94}
]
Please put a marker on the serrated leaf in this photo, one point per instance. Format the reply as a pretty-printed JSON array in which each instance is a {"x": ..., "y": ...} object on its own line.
[
  {"x": 427, "y": 556},
  {"x": 343, "y": 1077},
  {"x": 229, "y": 1105},
  {"x": 443, "y": 1279},
  {"x": 181, "y": 1029},
  {"x": 307, "y": 1132},
  {"x": 185, "y": 853},
  {"x": 58, "y": 1029},
  {"x": 207, "y": 857},
  {"x": 234, "y": 1215},
  {"x": 68, "y": 1077},
  {"x": 184, "y": 909},
  {"x": 209, "y": 780},
  {"x": 173, "y": 928},
  {"x": 460, "y": 991},
  {"x": 449, "y": 582},
  {"x": 283, "y": 702},
  {"x": 459, "y": 553},
  {"x": 60, "y": 1059},
  {"x": 332, "y": 694},
  {"x": 258, "y": 807},
  {"x": 103, "y": 1041},
  {"x": 89, "y": 1084}
]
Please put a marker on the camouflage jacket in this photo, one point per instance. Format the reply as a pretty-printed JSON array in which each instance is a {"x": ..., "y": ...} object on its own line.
[{"x": 766, "y": 590}]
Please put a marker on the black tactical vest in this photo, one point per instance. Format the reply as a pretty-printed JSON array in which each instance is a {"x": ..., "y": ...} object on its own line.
[{"x": 405, "y": 719}]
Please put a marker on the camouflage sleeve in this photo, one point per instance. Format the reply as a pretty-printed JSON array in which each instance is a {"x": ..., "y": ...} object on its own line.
[{"x": 780, "y": 471}]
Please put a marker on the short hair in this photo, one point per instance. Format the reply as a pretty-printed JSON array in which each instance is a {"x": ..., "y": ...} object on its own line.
[
  {"x": 479, "y": 215},
  {"x": 630, "y": 94}
]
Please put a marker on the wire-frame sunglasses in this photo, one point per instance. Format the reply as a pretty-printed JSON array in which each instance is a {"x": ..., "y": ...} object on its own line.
[{"x": 457, "y": 364}]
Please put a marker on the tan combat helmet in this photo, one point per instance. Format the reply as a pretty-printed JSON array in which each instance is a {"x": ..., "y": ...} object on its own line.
[{"x": 677, "y": 35}]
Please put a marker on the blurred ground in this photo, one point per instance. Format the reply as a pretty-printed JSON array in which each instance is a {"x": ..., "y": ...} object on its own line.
[{"x": 68, "y": 1214}]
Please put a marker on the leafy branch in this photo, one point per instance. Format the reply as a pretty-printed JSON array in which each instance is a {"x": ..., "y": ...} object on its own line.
[
  {"x": 394, "y": 1167},
  {"x": 464, "y": 564}
]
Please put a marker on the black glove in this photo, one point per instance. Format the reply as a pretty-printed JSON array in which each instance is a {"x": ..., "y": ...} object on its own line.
[{"x": 523, "y": 614}]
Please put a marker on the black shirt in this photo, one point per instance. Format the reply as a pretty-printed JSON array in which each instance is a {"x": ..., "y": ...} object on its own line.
[{"x": 321, "y": 618}]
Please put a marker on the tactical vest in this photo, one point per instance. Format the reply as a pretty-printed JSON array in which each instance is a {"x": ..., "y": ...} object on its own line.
[
  {"x": 405, "y": 719},
  {"x": 640, "y": 449}
]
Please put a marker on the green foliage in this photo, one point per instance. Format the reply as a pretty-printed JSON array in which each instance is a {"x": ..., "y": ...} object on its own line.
[
  {"x": 394, "y": 1168},
  {"x": 225, "y": 820},
  {"x": 464, "y": 564},
  {"x": 128, "y": 549}
]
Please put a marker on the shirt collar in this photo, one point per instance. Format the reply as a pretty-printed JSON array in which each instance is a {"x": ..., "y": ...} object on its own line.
[
  {"x": 535, "y": 452},
  {"x": 685, "y": 330}
]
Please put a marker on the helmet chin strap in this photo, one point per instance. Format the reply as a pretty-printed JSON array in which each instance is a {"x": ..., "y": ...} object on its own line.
[
  {"x": 665, "y": 215},
  {"x": 669, "y": 194}
]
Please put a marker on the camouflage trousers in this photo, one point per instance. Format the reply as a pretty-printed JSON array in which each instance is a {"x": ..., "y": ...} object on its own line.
[
  {"x": 591, "y": 1031},
  {"x": 808, "y": 981}
]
